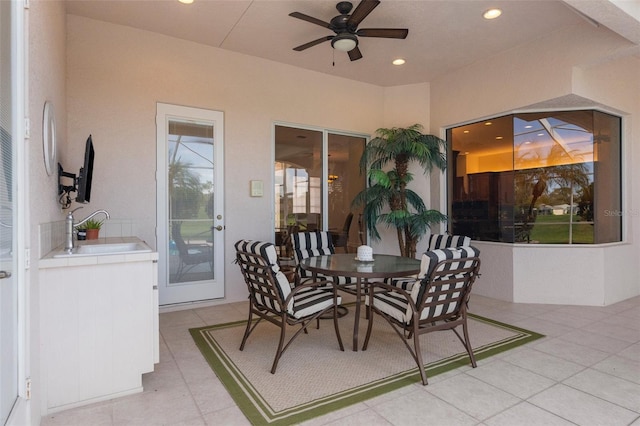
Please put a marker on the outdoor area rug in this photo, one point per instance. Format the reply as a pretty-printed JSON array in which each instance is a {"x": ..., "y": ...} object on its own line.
[{"x": 314, "y": 377}]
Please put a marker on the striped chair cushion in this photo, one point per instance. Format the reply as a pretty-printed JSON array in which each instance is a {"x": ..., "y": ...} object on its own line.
[
  {"x": 311, "y": 300},
  {"x": 268, "y": 252},
  {"x": 348, "y": 283},
  {"x": 308, "y": 244},
  {"x": 441, "y": 241},
  {"x": 436, "y": 241},
  {"x": 396, "y": 305}
]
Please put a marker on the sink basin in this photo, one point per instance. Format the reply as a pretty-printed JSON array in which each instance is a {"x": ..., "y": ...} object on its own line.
[
  {"x": 104, "y": 249},
  {"x": 111, "y": 248}
]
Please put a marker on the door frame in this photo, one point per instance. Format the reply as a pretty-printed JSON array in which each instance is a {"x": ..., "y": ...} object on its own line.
[
  {"x": 21, "y": 412},
  {"x": 325, "y": 165},
  {"x": 165, "y": 111}
]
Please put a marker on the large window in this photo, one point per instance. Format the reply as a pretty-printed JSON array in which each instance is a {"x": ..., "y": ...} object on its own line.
[{"x": 548, "y": 178}]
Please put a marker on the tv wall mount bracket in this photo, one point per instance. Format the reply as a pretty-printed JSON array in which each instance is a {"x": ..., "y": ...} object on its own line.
[{"x": 65, "y": 190}]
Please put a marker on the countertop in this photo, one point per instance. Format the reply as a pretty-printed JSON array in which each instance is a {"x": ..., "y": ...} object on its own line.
[{"x": 49, "y": 261}]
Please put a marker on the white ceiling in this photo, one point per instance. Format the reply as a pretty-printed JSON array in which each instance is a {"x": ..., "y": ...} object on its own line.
[{"x": 443, "y": 34}]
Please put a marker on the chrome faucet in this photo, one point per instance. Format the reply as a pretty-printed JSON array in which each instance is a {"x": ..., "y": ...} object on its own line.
[{"x": 70, "y": 226}]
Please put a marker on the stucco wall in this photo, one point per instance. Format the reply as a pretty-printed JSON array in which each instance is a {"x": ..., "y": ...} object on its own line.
[
  {"x": 115, "y": 76},
  {"x": 46, "y": 81}
]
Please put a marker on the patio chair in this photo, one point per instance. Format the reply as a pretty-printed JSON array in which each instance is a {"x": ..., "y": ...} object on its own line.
[
  {"x": 436, "y": 302},
  {"x": 191, "y": 255},
  {"x": 307, "y": 244},
  {"x": 436, "y": 241},
  {"x": 271, "y": 297}
]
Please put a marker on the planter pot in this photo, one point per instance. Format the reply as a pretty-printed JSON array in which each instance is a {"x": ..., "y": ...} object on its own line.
[{"x": 92, "y": 234}]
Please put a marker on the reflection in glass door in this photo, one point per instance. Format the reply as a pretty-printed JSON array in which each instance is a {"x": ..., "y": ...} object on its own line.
[
  {"x": 190, "y": 243},
  {"x": 312, "y": 166}
]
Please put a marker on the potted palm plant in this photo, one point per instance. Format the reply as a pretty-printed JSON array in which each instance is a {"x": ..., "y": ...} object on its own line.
[
  {"x": 92, "y": 227},
  {"x": 388, "y": 200}
]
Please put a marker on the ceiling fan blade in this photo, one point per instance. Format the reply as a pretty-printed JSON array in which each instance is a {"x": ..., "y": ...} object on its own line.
[
  {"x": 383, "y": 32},
  {"x": 355, "y": 54},
  {"x": 312, "y": 43},
  {"x": 361, "y": 11},
  {"x": 309, "y": 19}
]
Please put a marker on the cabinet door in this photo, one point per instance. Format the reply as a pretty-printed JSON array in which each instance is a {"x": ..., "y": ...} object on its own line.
[{"x": 98, "y": 330}]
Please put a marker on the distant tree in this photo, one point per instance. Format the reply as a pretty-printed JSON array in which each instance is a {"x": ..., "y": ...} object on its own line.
[{"x": 185, "y": 191}]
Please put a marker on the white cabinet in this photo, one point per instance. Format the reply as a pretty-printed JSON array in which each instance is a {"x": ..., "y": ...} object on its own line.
[{"x": 99, "y": 328}]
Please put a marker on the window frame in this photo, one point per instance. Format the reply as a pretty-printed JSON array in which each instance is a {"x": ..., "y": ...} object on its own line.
[{"x": 620, "y": 126}]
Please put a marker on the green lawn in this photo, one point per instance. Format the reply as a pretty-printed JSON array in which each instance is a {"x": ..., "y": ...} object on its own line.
[{"x": 554, "y": 229}]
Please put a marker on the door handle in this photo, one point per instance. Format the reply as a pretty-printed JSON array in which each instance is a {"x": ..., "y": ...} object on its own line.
[
  {"x": 4, "y": 274},
  {"x": 219, "y": 228}
]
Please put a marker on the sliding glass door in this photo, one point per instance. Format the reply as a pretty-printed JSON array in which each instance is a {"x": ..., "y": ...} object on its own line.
[{"x": 316, "y": 177}]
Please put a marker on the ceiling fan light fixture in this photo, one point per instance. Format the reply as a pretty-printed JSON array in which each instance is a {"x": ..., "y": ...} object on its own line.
[{"x": 344, "y": 42}]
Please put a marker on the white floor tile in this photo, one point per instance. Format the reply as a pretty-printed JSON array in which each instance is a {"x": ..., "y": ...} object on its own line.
[
  {"x": 421, "y": 407},
  {"x": 511, "y": 378},
  {"x": 582, "y": 408},
  {"x": 546, "y": 365},
  {"x": 595, "y": 341},
  {"x": 571, "y": 351},
  {"x": 613, "y": 389},
  {"x": 595, "y": 351},
  {"x": 472, "y": 396},
  {"x": 625, "y": 368},
  {"x": 525, "y": 414}
]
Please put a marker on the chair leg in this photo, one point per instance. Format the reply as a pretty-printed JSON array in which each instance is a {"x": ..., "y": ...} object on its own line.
[
  {"x": 283, "y": 328},
  {"x": 467, "y": 344},
  {"x": 248, "y": 329},
  {"x": 369, "y": 327},
  {"x": 335, "y": 325},
  {"x": 418, "y": 355}
]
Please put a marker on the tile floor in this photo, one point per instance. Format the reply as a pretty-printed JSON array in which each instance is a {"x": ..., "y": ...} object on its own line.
[{"x": 585, "y": 372}]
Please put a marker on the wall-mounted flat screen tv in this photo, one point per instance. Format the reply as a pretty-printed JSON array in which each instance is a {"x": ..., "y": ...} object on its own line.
[{"x": 86, "y": 173}]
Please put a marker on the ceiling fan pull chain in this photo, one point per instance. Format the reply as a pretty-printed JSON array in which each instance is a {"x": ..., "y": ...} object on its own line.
[{"x": 334, "y": 57}]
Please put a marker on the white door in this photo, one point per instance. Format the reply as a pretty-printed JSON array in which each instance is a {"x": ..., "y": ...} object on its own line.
[
  {"x": 190, "y": 222},
  {"x": 8, "y": 281}
]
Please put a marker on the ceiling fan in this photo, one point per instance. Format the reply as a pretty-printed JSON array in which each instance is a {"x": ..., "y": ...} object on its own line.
[{"x": 346, "y": 28}]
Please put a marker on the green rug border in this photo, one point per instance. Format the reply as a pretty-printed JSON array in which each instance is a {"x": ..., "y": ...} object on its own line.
[{"x": 258, "y": 412}]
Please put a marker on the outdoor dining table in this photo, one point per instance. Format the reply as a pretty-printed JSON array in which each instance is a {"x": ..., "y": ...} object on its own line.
[{"x": 382, "y": 266}]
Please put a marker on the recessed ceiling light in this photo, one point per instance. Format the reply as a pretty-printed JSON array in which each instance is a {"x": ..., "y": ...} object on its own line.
[
  {"x": 398, "y": 61},
  {"x": 186, "y": 1},
  {"x": 492, "y": 13}
]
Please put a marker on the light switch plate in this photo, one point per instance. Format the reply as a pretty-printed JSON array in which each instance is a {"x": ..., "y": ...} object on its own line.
[{"x": 257, "y": 188}]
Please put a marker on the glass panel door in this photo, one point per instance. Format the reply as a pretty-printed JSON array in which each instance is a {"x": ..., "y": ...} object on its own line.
[
  {"x": 8, "y": 281},
  {"x": 298, "y": 189},
  {"x": 344, "y": 182},
  {"x": 312, "y": 166},
  {"x": 190, "y": 228}
]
